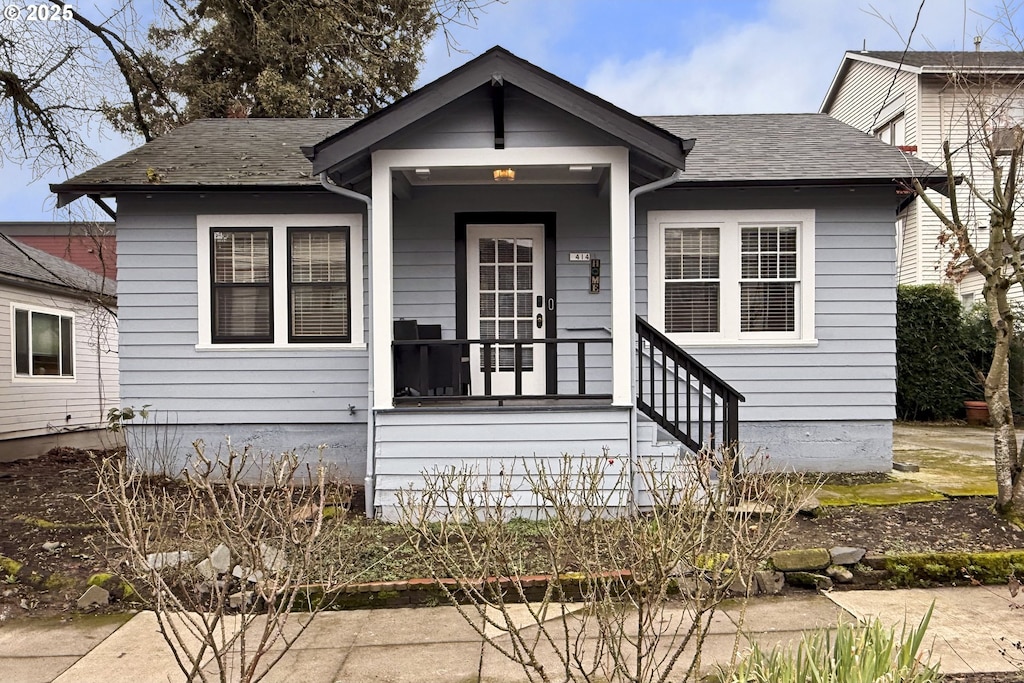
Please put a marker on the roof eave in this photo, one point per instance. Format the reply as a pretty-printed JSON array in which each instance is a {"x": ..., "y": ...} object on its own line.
[{"x": 69, "y": 291}]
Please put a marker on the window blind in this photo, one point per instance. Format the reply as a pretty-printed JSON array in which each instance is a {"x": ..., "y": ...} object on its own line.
[
  {"x": 319, "y": 290},
  {"x": 692, "y": 286}
]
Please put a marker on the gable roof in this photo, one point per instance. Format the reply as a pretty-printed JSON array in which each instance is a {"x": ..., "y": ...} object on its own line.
[
  {"x": 25, "y": 266},
  {"x": 789, "y": 148},
  {"x": 1006, "y": 62},
  {"x": 498, "y": 66}
]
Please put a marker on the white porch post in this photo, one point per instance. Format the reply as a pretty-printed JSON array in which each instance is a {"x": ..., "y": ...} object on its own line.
[
  {"x": 381, "y": 286},
  {"x": 622, "y": 258}
]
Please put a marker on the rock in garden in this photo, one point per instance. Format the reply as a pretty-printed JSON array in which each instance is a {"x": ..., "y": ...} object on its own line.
[
  {"x": 175, "y": 558},
  {"x": 220, "y": 559},
  {"x": 273, "y": 558},
  {"x": 808, "y": 560},
  {"x": 240, "y": 599},
  {"x": 809, "y": 504},
  {"x": 809, "y": 580},
  {"x": 52, "y": 546},
  {"x": 206, "y": 569},
  {"x": 839, "y": 574},
  {"x": 769, "y": 583},
  {"x": 846, "y": 555},
  {"x": 94, "y": 595}
]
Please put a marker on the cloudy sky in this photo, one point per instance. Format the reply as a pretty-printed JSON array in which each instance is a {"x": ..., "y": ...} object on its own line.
[{"x": 665, "y": 56}]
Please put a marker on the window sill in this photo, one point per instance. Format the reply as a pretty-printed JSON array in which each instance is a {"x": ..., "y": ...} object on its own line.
[
  {"x": 280, "y": 347},
  {"x": 43, "y": 380},
  {"x": 710, "y": 343}
]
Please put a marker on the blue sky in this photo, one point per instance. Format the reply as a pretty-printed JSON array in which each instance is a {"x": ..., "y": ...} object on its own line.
[{"x": 660, "y": 56}]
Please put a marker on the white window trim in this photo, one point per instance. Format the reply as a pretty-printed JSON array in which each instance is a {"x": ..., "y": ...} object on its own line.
[
  {"x": 729, "y": 223},
  {"x": 44, "y": 379},
  {"x": 279, "y": 224}
]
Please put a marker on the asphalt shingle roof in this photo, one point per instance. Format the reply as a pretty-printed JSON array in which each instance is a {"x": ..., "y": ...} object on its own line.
[
  {"x": 20, "y": 263},
  {"x": 243, "y": 152},
  {"x": 781, "y": 147},
  {"x": 942, "y": 60},
  {"x": 730, "y": 148}
]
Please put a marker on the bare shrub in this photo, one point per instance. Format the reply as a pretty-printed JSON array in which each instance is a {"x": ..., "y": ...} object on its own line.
[
  {"x": 631, "y": 593},
  {"x": 225, "y": 555}
]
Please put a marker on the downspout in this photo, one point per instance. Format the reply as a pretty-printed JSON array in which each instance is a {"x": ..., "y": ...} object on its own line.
[
  {"x": 636, "y": 192},
  {"x": 370, "y": 446}
]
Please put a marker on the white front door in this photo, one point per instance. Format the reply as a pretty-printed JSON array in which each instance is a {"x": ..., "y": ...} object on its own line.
[{"x": 505, "y": 272}]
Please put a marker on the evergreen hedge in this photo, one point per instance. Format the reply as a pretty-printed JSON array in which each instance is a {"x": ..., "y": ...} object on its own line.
[{"x": 932, "y": 372}]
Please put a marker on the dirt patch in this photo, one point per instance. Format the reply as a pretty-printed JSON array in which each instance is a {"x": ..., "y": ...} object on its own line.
[{"x": 42, "y": 502}]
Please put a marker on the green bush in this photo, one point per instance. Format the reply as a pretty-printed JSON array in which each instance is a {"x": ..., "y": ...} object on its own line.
[
  {"x": 932, "y": 377},
  {"x": 978, "y": 340}
]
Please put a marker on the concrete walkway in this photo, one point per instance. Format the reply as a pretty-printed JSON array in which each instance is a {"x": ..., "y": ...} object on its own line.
[{"x": 435, "y": 644}]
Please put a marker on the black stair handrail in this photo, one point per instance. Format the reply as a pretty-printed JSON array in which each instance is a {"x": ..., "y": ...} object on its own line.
[{"x": 692, "y": 377}]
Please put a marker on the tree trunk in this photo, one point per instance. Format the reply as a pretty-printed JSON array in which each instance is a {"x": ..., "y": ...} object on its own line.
[{"x": 1009, "y": 483}]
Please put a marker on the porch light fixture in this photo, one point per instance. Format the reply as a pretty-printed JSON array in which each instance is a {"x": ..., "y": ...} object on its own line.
[
  {"x": 580, "y": 169},
  {"x": 423, "y": 173},
  {"x": 504, "y": 175}
]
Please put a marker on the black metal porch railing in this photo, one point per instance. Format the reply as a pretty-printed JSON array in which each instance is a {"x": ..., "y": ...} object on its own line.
[
  {"x": 687, "y": 400},
  {"x": 438, "y": 370}
]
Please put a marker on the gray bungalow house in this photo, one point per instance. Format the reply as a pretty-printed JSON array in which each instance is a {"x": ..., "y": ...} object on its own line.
[{"x": 502, "y": 265}]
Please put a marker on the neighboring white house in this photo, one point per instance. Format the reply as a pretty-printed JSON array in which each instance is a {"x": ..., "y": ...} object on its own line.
[
  {"x": 916, "y": 101},
  {"x": 58, "y": 353},
  {"x": 502, "y": 265}
]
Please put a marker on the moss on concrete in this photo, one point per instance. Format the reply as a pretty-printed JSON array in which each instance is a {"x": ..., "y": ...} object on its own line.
[
  {"x": 950, "y": 472},
  {"x": 887, "y": 493},
  {"x": 928, "y": 569}
]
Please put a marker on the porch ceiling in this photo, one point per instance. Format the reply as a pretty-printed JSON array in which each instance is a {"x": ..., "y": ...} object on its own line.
[{"x": 522, "y": 175}]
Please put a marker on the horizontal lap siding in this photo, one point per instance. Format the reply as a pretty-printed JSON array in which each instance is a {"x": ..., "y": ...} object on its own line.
[
  {"x": 33, "y": 408},
  {"x": 850, "y": 373},
  {"x": 409, "y": 443},
  {"x": 160, "y": 365}
]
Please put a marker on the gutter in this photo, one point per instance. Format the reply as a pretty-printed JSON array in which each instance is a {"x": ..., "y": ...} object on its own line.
[
  {"x": 676, "y": 177},
  {"x": 368, "y": 481}
]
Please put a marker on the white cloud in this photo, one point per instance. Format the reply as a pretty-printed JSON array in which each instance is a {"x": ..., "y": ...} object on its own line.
[{"x": 781, "y": 60}]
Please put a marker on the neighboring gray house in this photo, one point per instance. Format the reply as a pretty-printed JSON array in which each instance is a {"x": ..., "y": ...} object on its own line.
[
  {"x": 474, "y": 285},
  {"x": 58, "y": 353},
  {"x": 916, "y": 101}
]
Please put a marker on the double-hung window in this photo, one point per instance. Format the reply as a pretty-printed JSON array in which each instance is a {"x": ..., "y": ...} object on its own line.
[
  {"x": 318, "y": 281},
  {"x": 721, "y": 277},
  {"x": 280, "y": 279},
  {"x": 242, "y": 284},
  {"x": 43, "y": 343}
]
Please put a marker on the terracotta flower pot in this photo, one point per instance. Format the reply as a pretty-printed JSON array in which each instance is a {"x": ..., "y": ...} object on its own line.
[{"x": 977, "y": 412}]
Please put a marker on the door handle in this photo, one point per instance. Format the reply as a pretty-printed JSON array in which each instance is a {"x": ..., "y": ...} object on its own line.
[{"x": 540, "y": 320}]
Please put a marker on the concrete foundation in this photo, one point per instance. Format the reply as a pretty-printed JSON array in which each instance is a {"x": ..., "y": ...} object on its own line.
[
  {"x": 345, "y": 443},
  {"x": 822, "y": 446},
  {"x": 34, "y": 446}
]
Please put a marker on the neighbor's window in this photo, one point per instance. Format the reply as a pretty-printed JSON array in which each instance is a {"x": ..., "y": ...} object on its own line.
[
  {"x": 893, "y": 132},
  {"x": 43, "y": 344},
  {"x": 691, "y": 280},
  {"x": 318, "y": 285},
  {"x": 242, "y": 286}
]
